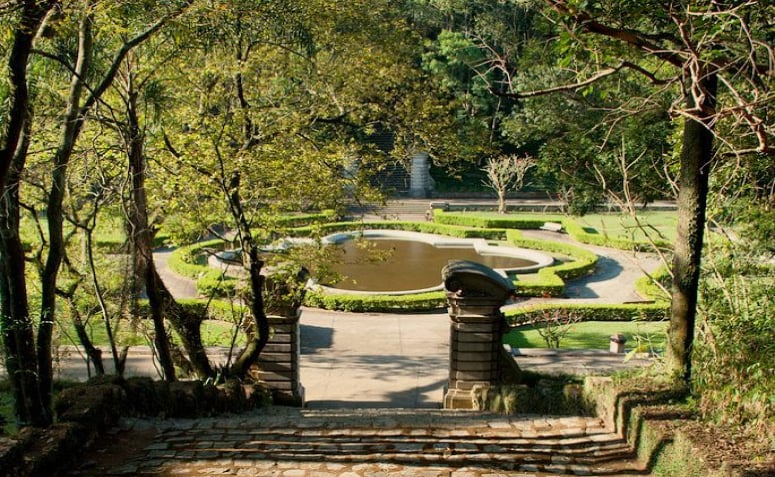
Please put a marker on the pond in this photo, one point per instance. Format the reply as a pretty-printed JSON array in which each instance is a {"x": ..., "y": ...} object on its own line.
[
  {"x": 407, "y": 265},
  {"x": 413, "y": 261}
]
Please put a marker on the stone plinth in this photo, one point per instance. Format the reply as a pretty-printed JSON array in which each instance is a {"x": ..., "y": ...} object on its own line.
[
  {"x": 278, "y": 364},
  {"x": 475, "y": 294}
]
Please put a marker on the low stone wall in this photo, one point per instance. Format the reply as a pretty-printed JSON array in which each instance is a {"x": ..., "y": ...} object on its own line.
[{"x": 86, "y": 411}]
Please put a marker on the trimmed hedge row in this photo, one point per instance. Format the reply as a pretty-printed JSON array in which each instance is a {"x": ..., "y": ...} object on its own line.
[
  {"x": 376, "y": 303},
  {"x": 424, "y": 227},
  {"x": 523, "y": 222},
  {"x": 209, "y": 281},
  {"x": 302, "y": 220},
  {"x": 535, "y": 221},
  {"x": 589, "y": 312},
  {"x": 579, "y": 233}
]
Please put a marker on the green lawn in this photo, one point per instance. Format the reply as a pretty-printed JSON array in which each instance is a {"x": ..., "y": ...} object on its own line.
[
  {"x": 214, "y": 333},
  {"x": 658, "y": 225},
  {"x": 594, "y": 335}
]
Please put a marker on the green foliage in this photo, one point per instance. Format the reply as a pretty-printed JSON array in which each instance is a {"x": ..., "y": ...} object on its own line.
[
  {"x": 425, "y": 227},
  {"x": 735, "y": 345},
  {"x": 590, "y": 312},
  {"x": 376, "y": 303}
]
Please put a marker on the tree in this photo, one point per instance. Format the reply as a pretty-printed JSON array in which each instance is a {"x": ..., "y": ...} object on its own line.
[
  {"x": 506, "y": 173},
  {"x": 82, "y": 76},
  {"x": 16, "y": 323},
  {"x": 716, "y": 59}
]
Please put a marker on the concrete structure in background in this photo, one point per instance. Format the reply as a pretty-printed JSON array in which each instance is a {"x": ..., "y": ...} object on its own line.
[{"x": 421, "y": 184}]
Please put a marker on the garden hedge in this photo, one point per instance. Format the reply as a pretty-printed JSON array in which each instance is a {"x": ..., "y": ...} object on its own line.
[
  {"x": 589, "y": 312},
  {"x": 535, "y": 221},
  {"x": 376, "y": 303},
  {"x": 424, "y": 227}
]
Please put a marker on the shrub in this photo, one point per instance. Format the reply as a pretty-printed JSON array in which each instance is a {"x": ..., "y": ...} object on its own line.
[
  {"x": 589, "y": 312},
  {"x": 376, "y": 303},
  {"x": 425, "y": 227}
]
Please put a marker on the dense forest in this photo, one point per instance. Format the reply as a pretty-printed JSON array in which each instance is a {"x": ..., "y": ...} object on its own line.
[{"x": 168, "y": 120}]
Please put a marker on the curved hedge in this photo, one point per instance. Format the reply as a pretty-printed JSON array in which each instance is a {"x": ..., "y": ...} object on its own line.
[
  {"x": 646, "y": 287},
  {"x": 550, "y": 281},
  {"x": 425, "y": 227}
]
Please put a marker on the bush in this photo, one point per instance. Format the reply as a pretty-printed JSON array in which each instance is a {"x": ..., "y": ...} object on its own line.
[
  {"x": 424, "y": 227},
  {"x": 377, "y": 303},
  {"x": 734, "y": 349},
  {"x": 589, "y": 312},
  {"x": 550, "y": 281}
]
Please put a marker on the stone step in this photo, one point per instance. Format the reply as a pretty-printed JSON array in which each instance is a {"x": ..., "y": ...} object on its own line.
[{"x": 304, "y": 443}]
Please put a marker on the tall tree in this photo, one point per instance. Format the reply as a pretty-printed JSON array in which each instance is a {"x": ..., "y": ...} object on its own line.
[
  {"x": 717, "y": 58},
  {"x": 16, "y": 323},
  {"x": 83, "y": 77}
]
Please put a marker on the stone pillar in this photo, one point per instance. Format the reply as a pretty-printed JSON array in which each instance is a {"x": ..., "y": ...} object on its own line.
[
  {"x": 475, "y": 294},
  {"x": 420, "y": 180},
  {"x": 278, "y": 364}
]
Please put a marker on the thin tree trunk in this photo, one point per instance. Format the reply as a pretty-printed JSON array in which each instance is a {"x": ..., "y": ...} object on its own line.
[
  {"x": 142, "y": 238},
  {"x": 161, "y": 301},
  {"x": 18, "y": 336},
  {"x": 258, "y": 341},
  {"x": 696, "y": 157},
  {"x": 54, "y": 211}
]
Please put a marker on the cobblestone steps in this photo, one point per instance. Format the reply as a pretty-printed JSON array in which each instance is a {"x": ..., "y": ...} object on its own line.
[{"x": 359, "y": 443}]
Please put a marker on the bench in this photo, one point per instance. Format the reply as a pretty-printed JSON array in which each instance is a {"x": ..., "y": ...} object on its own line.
[{"x": 551, "y": 227}]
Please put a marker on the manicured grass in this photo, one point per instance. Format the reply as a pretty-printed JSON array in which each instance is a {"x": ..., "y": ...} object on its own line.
[
  {"x": 594, "y": 335},
  {"x": 658, "y": 225},
  {"x": 214, "y": 333}
]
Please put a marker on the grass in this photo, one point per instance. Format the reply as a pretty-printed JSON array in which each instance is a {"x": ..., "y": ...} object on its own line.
[
  {"x": 214, "y": 333},
  {"x": 659, "y": 224},
  {"x": 594, "y": 335}
]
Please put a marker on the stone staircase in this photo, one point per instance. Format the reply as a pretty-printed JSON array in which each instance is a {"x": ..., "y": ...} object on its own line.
[
  {"x": 413, "y": 209},
  {"x": 361, "y": 442}
]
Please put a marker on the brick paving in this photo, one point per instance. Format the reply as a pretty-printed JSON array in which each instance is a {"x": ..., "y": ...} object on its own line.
[{"x": 287, "y": 442}]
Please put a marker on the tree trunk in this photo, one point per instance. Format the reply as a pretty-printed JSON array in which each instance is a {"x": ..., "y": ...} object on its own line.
[
  {"x": 696, "y": 157},
  {"x": 16, "y": 324},
  {"x": 258, "y": 341},
  {"x": 141, "y": 237},
  {"x": 162, "y": 303},
  {"x": 501, "y": 201},
  {"x": 54, "y": 213}
]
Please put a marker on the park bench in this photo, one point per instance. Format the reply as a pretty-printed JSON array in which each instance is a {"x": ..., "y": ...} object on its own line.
[{"x": 551, "y": 227}]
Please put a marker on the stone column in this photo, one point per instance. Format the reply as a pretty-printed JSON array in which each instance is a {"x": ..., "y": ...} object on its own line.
[
  {"x": 278, "y": 364},
  {"x": 420, "y": 180},
  {"x": 475, "y": 294}
]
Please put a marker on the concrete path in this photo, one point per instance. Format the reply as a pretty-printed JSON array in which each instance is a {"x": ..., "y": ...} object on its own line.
[{"x": 373, "y": 360}]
